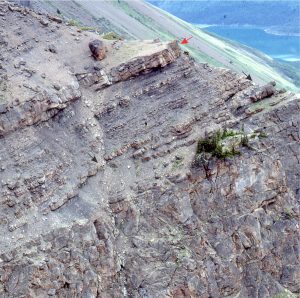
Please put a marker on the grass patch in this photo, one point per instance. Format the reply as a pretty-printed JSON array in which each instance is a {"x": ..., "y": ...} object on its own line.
[
  {"x": 177, "y": 163},
  {"x": 87, "y": 28},
  {"x": 112, "y": 36},
  {"x": 73, "y": 22},
  {"x": 78, "y": 24}
]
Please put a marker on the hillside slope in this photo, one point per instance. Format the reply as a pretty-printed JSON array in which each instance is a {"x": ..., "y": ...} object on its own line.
[
  {"x": 105, "y": 189},
  {"x": 138, "y": 19},
  {"x": 284, "y": 14}
]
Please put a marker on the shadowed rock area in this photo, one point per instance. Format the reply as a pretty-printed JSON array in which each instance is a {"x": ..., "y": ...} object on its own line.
[{"x": 100, "y": 194}]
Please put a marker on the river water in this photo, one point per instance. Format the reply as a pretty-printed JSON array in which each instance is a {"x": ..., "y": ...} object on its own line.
[{"x": 283, "y": 47}]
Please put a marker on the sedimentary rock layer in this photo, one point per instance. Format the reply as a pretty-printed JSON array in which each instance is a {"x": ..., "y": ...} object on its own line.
[{"x": 100, "y": 195}]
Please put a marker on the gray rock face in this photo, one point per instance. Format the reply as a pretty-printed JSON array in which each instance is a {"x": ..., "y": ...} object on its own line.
[
  {"x": 40, "y": 108},
  {"x": 264, "y": 91},
  {"x": 132, "y": 68},
  {"x": 100, "y": 195}
]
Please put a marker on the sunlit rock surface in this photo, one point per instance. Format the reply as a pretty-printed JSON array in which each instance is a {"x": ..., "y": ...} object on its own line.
[{"x": 99, "y": 191}]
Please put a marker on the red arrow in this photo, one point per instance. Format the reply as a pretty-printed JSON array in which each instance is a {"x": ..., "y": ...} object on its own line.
[{"x": 186, "y": 40}]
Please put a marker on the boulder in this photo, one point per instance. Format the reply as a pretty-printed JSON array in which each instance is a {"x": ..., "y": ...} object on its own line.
[
  {"x": 264, "y": 92},
  {"x": 55, "y": 19},
  {"x": 98, "y": 49}
]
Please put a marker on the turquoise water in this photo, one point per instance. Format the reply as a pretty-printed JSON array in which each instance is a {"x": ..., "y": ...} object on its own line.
[{"x": 277, "y": 46}]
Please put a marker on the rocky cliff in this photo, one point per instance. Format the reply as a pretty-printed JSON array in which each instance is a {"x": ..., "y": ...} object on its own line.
[
  {"x": 105, "y": 190},
  {"x": 140, "y": 20}
]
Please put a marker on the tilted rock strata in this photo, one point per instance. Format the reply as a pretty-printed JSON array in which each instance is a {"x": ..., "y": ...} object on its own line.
[
  {"x": 40, "y": 108},
  {"x": 103, "y": 199},
  {"x": 27, "y": 102},
  {"x": 134, "y": 67}
]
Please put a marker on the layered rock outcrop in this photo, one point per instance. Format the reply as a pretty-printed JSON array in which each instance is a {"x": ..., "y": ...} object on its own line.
[
  {"x": 100, "y": 195},
  {"x": 41, "y": 107},
  {"x": 164, "y": 55}
]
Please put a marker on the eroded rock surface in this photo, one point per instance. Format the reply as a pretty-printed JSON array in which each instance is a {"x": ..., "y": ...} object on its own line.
[{"x": 99, "y": 193}]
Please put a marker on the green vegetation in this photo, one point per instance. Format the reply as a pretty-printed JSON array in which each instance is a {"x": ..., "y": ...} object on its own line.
[
  {"x": 73, "y": 23},
  {"x": 177, "y": 163},
  {"x": 202, "y": 57},
  {"x": 78, "y": 24},
  {"x": 243, "y": 58},
  {"x": 255, "y": 62},
  {"x": 262, "y": 135},
  {"x": 215, "y": 146},
  {"x": 182, "y": 253},
  {"x": 145, "y": 20},
  {"x": 286, "y": 294},
  {"x": 225, "y": 143},
  {"x": 289, "y": 70},
  {"x": 112, "y": 36},
  {"x": 3, "y": 85},
  {"x": 87, "y": 28},
  {"x": 220, "y": 53},
  {"x": 288, "y": 213},
  {"x": 245, "y": 141},
  {"x": 261, "y": 68}
]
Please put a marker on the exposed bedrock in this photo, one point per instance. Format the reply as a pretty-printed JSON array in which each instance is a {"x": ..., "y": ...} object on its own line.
[{"x": 100, "y": 194}]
